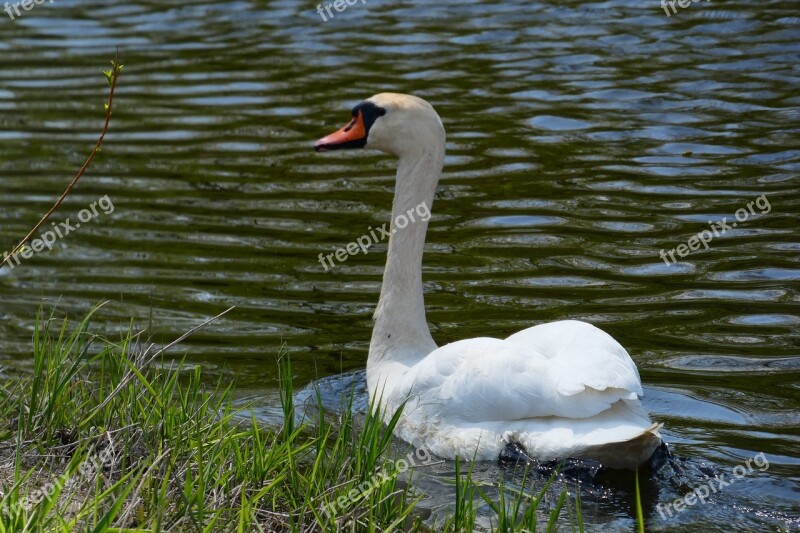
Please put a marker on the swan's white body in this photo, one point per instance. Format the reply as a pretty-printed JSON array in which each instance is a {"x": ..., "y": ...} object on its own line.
[{"x": 562, "y": 389}]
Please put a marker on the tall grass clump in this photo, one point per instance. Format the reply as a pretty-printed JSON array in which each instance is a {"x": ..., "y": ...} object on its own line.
[{"x": 111, "y": 435}]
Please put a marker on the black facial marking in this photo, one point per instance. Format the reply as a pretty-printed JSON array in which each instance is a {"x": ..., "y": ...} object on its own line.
[{"x": 370, "y": 112}]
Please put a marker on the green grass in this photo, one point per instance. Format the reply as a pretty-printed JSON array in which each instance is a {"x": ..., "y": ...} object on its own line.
[{"x": 110, "y": 435}]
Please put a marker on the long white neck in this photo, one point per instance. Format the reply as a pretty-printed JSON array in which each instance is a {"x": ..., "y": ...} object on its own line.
[{"x": 401, "y": 336}]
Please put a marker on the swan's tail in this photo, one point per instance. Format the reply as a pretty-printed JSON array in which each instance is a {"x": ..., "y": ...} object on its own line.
[{"x": 630, "y": 453}]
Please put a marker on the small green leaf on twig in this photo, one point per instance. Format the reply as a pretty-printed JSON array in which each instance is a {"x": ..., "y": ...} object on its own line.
[{"x": 113, "y": 73}]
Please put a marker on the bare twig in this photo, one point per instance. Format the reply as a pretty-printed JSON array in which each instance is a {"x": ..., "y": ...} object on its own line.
[{"x": 112, "y": 77}]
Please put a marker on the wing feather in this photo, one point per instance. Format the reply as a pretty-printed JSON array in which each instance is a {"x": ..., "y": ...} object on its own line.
[{"x": 567, "y": 369}]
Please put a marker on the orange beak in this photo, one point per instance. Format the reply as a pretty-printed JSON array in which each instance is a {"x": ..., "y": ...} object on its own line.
[{"x": 353, "y": 135}]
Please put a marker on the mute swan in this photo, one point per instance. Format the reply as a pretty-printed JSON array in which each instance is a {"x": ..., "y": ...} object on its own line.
[{"x": 560, "y": 390}]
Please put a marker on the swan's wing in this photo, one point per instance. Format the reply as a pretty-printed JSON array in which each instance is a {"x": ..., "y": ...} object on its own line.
[
  {"x": 582, "y": 356},
  {"x": 488, "y": 379}
]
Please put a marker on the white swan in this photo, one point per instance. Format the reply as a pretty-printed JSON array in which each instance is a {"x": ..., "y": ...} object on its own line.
[{"x": 563, "y": 389}]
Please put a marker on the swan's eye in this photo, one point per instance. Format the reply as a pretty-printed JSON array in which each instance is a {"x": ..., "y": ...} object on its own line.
[{"x": 370, "y": 113}]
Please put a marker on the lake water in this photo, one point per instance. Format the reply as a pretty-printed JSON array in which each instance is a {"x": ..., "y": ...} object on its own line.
[{"x": 583, "y": 139}]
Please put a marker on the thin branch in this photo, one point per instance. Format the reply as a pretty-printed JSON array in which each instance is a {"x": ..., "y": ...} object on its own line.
[{"x": 109, "y": 105}]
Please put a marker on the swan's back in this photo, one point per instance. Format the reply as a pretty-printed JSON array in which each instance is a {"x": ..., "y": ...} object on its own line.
[{"x": 564, "y": 389}]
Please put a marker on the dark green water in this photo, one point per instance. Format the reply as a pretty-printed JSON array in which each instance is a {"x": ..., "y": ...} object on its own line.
[{"x": 583, "y": 138}]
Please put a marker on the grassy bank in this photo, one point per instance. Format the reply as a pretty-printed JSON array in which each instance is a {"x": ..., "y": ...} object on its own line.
[{"x": 109, "y": 435}]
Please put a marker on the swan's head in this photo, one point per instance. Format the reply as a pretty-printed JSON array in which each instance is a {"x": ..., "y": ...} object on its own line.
[{"x": 394, "y": 123}]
